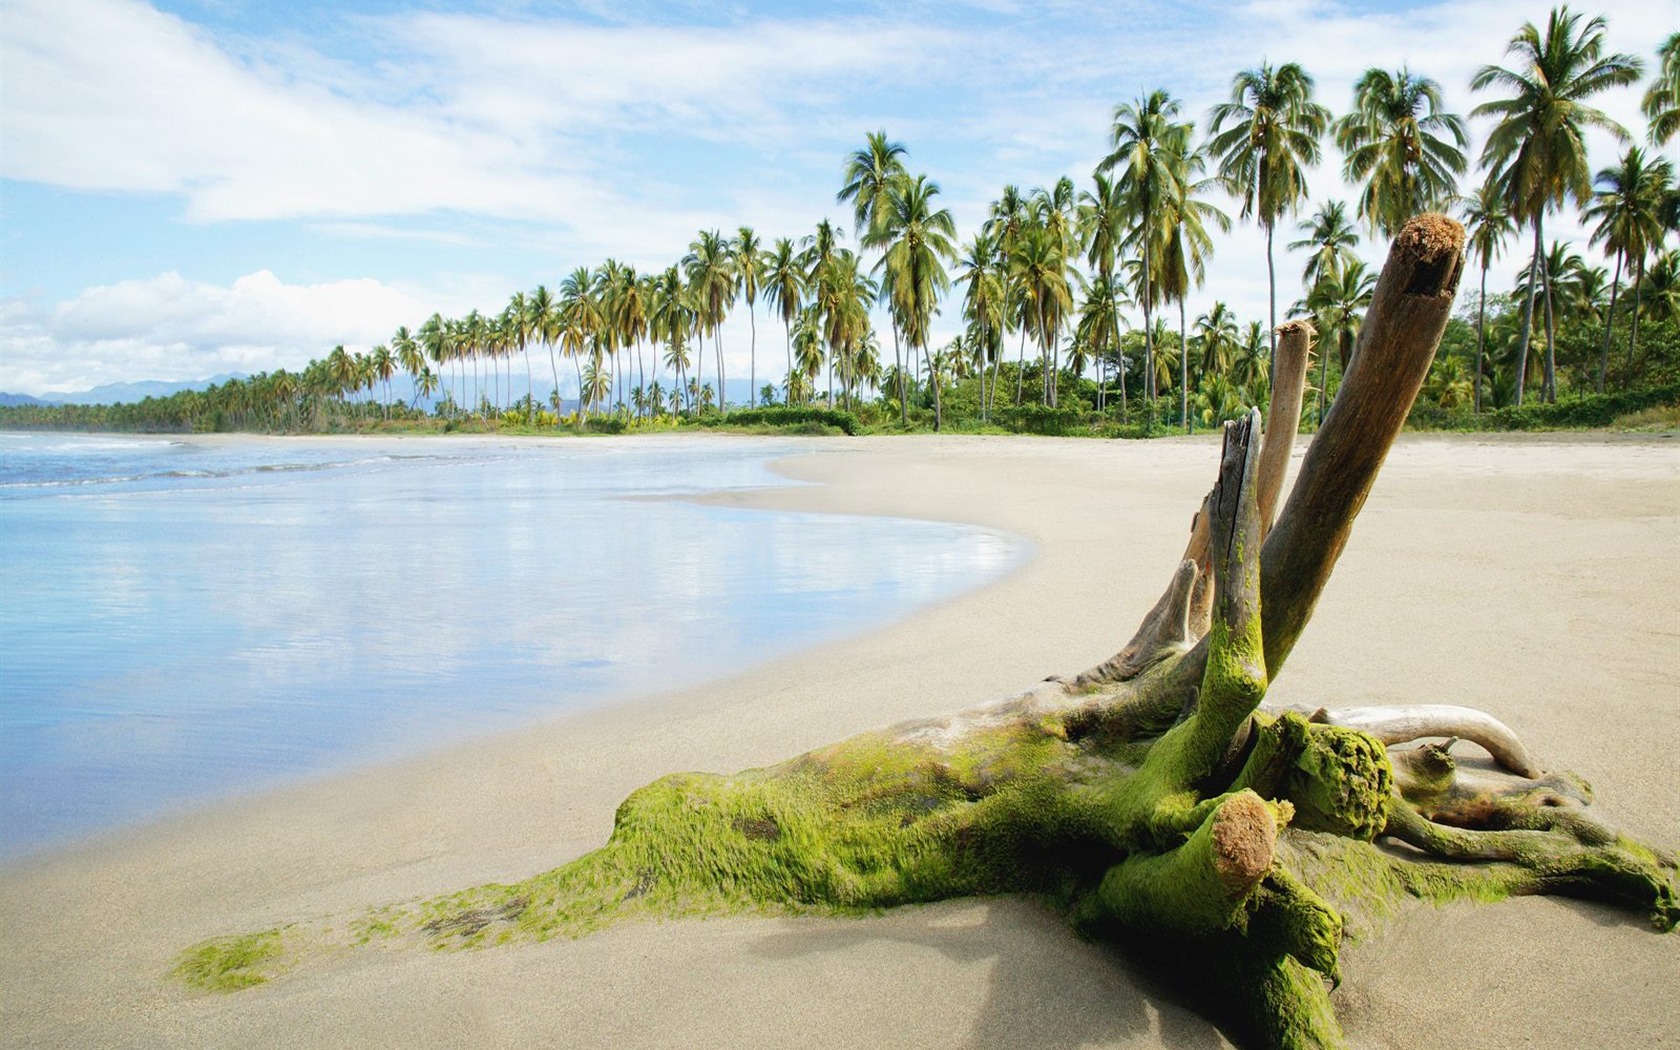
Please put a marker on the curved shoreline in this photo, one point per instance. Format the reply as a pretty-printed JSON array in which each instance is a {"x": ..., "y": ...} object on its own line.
[{"x": 1551, "y": 565}]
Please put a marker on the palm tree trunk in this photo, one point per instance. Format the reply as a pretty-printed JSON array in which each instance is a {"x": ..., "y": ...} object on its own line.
[
  {"x": 1119, "y": 356},
  {"x": 787, "y": 380},
  {"x": 1271, "y": 284},
  {"x": 1609, "y": 325},
  {"x": 1481, "y": 336},
  {"x": 1021, "y": 367},
  {"x": 1184, "y": 367},
  {"x": 1638, "y": 288},
  {"x": 752, "y": 361},
  {"x": 723, "y": 384},
  {"x": 933, "y": 377},
  {"x": 1148, "y": 343},
  {"x": 903, "y": 396},
  {"x": 1528, "y": 315},
  {"x": 555, "y": 369},
  {"x": 1551, "y": 337}
]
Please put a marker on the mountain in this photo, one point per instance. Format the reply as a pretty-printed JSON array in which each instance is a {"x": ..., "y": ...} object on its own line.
[{"x": 116, "y": 393}]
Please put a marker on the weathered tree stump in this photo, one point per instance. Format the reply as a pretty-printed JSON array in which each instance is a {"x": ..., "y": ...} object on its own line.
[{"x": 1155, "y": 799}]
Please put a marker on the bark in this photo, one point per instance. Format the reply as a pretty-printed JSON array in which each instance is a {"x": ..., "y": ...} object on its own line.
[{"x": 1155, "y": 800}]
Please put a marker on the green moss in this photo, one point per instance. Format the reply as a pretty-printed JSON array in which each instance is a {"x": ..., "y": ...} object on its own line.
[
  {"x": 1340, "y": 782},
  {"x": 228, "y": 964}
]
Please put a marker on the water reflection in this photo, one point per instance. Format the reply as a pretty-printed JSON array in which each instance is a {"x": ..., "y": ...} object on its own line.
[{"x": 189, "y": 620}]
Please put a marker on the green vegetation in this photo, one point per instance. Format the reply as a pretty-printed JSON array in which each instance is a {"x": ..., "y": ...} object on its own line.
[{"x": 228, "y": 964}]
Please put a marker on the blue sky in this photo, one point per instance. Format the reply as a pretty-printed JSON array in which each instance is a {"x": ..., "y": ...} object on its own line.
[{"x": 205, "y": 186}]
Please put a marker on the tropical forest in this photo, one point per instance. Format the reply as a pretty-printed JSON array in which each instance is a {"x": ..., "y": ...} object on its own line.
[{"x": 1071, "y": 303}]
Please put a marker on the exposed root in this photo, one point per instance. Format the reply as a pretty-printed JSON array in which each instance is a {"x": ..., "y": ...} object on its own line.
[{"x": 1402, "y": 725}]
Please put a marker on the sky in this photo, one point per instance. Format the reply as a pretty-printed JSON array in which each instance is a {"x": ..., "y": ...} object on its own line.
[{"x": 197, "y": 187}]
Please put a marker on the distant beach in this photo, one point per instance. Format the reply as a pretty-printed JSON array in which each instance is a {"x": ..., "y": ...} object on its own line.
[{"x": 1534, "y": 577}]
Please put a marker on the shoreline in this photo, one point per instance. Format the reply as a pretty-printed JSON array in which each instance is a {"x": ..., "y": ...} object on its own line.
[{"x": 1551, "y": 563}]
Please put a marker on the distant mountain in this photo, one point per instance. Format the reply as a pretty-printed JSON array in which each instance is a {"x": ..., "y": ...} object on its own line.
[{"x": 116, "y": 393}]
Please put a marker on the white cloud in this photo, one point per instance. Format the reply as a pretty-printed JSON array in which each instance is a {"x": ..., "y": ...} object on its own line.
[{"x": 171, "y": 328}]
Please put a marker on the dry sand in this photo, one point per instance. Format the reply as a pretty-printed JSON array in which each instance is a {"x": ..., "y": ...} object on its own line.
[{"x": 1537, "y": 578}]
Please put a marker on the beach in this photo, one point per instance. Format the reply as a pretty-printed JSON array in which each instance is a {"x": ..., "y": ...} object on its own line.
[{"x": 1535, "y": 577}]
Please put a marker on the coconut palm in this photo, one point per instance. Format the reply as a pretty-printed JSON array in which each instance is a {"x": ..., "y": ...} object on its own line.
[
  {"x": 784, "y": 286},
  {"x": 1489, "y": 223},
  {"x": 1628, "y": 205},
  {"x": 1263, "y": 139},
  {"x": 983, "y": 282},
  {"x": 1146, "y": 138},
  {"x": 546, "y": 325},
  {"x": 1338, "y": 302},
  {"x": 711, "y": 278},
  {"x": 384, "y": 365},
  {"x": 918, "y": 240},
  {"x": 869, "y": 174},
  {"x": 1402, "y": 145},
  {"x": 747, "y": 257},
  {"x": 1661, "y": 104},
  {"x": 1330, "y": 238},
  {"x": 582, "y": 323},
  {"x": 1216, "y": 336},
  {"x": 1040, "y": 268},
  {"x": 1185, "y": 250},
  {"x": 1102, "y": 214},
  {"x": 1005, "y": 221},
  {"x": 1537, "y": 150},
  {"x": 670, "y": 321}
]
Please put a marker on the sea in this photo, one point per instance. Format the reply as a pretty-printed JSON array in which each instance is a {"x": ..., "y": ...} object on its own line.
[{"x": 184, "y": 620}]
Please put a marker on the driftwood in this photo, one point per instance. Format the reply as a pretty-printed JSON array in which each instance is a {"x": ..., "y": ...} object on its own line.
[{"x": 1154, "y": 798}]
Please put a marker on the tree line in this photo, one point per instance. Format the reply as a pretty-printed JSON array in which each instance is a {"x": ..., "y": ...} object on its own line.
[{"x": 1092, "y": 278}]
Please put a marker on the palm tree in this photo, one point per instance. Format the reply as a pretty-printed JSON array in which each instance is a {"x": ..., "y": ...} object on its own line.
[
  {"x": 1040, "y": 268},
  {"x": 1102, "y": 224},
  {"x": 1338, "y": 302},
  {"x": 1264, "y": 137},
  {"x": 869, "y": 174},
  {"x": 670, "y": 320},
  {"x": 1005, "y": 221},
  {"x": 523, "y": 329},
  {"x": 583, "y": 321},
  {"x": 410, "y": 357},
  {"x": 1184, "y": 252},
  {"x": 1489, "y": 224},
  {"x": 1216, "y": 331},
  {"x": 983, "y": 302},
  {"x": 1661, "y": 104},
  {"x": 918, "y": 240},
  {"x": 1396, "y": 141},
  {"x": 1330, "y": 237},
  {"x": 1537, "y": 151},
  {"x": 547, "y": 324},
  {"x": 384, "y": 366},
  {"x": 1146, "y": 138},
  {"x": 784, "y": 286},
  {"x": 747, "y": 257},
  {"x": 711, "y": 278},
  {"x": 1628, "y": 206}
]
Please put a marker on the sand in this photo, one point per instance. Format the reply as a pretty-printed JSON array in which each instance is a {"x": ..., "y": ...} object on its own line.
[{"x": 1534, "y": 577}]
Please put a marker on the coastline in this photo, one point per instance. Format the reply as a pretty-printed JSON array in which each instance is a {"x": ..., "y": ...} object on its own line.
[{"x": 1534, "y": 577}]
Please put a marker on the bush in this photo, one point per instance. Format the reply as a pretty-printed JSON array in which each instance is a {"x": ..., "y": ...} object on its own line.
[
  {"x": 1039, "y": 419},
  {"x": 805, "y": 418},
  {"x": 1591, "y": 410}
]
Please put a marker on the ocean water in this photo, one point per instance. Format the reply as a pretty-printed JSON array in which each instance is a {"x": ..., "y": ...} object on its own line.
[{"x": 184, "y": 620}]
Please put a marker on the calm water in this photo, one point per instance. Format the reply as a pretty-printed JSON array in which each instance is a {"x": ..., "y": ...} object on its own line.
[{"x": 184, "y": 620}]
